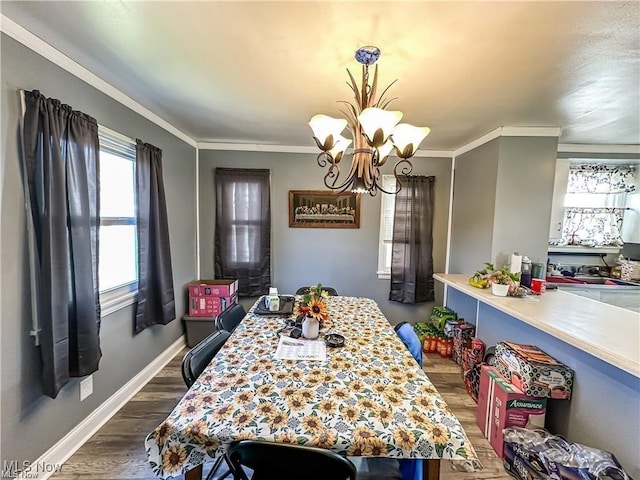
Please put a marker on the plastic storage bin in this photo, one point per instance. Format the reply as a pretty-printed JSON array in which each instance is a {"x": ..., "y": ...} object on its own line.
[{"x": 198, "y": 328}]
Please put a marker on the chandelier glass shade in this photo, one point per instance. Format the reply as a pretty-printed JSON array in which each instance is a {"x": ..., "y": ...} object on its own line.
[{"x": 375, "y": 133}]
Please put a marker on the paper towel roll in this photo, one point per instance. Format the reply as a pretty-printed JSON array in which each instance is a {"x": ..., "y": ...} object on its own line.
[{"x": 516, "y": 263}]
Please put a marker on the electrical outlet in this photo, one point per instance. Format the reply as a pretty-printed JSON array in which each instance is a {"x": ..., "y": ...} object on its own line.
[{"x": 86, "y": 387}]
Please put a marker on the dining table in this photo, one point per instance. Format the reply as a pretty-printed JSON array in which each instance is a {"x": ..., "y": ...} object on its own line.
[{"x": 368, "y": 398}]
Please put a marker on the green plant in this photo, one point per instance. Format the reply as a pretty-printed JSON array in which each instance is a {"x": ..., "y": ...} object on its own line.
[
  {"x": 314, "y": 304},
  {"x": 502, "y": 276}
]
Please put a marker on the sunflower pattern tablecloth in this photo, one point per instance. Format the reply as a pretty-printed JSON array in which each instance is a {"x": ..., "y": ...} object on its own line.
[{"x": 370, "y": 398}]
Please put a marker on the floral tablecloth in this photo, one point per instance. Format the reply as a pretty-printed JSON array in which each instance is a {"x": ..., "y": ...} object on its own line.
[{"x": 370, "y": 398}]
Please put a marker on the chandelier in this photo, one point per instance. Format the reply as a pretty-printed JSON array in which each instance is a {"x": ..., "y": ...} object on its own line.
[{"x": 375, "y": 133}]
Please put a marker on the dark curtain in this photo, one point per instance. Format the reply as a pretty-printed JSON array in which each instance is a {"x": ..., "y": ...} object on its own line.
[
  {"x": 242, "y": 247},
  {"x": 61, "y": 174},
  {"x": 156, "y": 301},
  {"x": 411, "y": 257}
]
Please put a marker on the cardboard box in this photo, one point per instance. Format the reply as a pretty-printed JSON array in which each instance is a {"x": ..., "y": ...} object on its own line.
[
  {"x": 213, "y": 288},
  {"x": 533, "y": 371},
  {"x": 462, "y": 335},
  {"x": 472, "y": 381},
  {"x": 205, "y": 306},
  {"x": 502, "y": 405}
]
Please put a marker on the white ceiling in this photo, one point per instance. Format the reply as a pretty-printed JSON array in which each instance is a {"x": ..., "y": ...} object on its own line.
[{"x": 255, "y": 72}]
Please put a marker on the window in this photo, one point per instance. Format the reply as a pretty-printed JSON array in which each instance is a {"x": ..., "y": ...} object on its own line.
[
  {"x": 118, "y": 272},
  {"x": 386, "y": 227},
  {"x": 243, "y": 229},
  {"x": 595, "y": 204}
]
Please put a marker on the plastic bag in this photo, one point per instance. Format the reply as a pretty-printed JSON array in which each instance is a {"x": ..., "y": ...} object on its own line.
[{"x": 537, "y": 454}]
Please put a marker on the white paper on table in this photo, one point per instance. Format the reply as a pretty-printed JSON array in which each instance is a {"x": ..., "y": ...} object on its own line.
[{"x": 299, "y": 349}]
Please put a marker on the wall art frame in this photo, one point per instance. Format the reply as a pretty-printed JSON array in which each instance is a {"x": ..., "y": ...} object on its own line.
[{"x": 323, "y": 209}]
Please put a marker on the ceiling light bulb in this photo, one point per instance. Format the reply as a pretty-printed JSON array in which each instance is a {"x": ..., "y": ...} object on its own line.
[
  {"x": 341, "y": 144},
  {"x": 383, "y": 152},
  {"x": 324, "y": 126},
  {"x": 377, "y": 124},
  {"x": 407, "y": 138}
]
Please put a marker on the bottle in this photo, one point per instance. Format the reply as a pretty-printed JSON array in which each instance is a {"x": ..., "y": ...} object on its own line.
[
  {"x": 274, "y": 300},
  {"x": 515, "y": 265},
  {"x": 525, "y": 272}
]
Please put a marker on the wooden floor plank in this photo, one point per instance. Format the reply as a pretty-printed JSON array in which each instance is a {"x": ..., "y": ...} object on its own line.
[{"x": 116, "y": 451}]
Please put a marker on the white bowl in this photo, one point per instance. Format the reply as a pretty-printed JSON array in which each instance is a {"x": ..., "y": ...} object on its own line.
[{"x": 499, "y": 290}]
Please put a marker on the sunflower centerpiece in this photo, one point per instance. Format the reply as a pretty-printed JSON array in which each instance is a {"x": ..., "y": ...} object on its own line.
[{"x": 313, "y": 307}]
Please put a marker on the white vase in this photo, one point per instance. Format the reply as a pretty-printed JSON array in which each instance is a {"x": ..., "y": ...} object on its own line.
[
  {"x": 310, "y": 328},
  {"x": 499, "y": 290}
]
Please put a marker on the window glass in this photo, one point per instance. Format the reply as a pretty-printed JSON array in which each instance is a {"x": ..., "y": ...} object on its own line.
[
  {"x": 116, "y": 186},
  {"x": 386, "y": 226},
  {"x": 117, "y": 256},
  {"x": 118, "y": 236}
]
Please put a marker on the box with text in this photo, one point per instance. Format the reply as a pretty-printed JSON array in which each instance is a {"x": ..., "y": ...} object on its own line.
[
  {"x": 502, "y": 405},
  {"x": 213, "y": 288},
  {"x": 533, "y": 371}
]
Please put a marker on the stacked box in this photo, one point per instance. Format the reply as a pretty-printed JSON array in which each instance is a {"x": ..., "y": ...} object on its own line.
[
  {"x": 533, "y": 371},
  {"x": 462, "y": 335},
  {"x": 210, "y": 306},
  {"x": 450, "y": 326},
  {"x": 440, "y": 315},
  {"x": 472, "y": 381},
  {"x": 422, "y": 329},
  {"x": 501, "y": 405},
  {"x": 208, "y": 298},
  {"x": 473, "y": 354}
]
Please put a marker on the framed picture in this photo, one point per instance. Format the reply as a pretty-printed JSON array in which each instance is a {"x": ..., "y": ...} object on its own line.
[{"x": 323, "y": 209}]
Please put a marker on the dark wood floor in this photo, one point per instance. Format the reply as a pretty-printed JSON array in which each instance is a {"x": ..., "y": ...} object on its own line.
[{"x": 116, "y": 451}]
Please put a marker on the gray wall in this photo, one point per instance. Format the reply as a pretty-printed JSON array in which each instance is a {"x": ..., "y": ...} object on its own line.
[
  {"x": 30, "y": 422},
  {"x": 502, "y": 202},
  {"x": 475, "y": 180},
  {"x": 346, "y": 259},
  {"x": 524, "y": 192}
]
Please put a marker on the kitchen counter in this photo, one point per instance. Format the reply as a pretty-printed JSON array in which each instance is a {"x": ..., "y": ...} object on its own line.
[
  {"x": 609, "y": 333},
  {"x": 599, "y": 342}
]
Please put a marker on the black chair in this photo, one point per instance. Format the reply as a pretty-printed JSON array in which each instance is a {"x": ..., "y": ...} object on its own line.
[
  {"x": 283, "y": 461},
  {"x": 330, "y": 291},
  {"x": 197, "y": 359},
  {"x": 230, "y": 318},
  {"x": 193, "y": 364}
]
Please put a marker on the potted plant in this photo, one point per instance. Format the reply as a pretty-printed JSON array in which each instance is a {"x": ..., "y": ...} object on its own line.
[
  {"x": 501, "y": 281},
  {"x": 313, "y": 308}
]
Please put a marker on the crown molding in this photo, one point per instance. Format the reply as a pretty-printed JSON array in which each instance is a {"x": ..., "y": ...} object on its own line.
[
  {"x": 586, "y": 148},
  {"x": 509, "y": 132},
  {"x": 39, "y": 46},
  {"x": 256, "y": 147}
]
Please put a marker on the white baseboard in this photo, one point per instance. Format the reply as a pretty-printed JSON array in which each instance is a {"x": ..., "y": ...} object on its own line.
[{"x": 52, "y": 459}]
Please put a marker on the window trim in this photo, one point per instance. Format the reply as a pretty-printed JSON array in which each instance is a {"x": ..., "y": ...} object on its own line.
[
  {"x": 118, "y": 298},
  {"x": 388, "y": 183},
  {"x": 121, "y": 296}
]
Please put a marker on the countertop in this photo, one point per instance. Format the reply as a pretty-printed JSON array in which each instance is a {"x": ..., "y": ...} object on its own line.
[{"x": 609, "y": 333}]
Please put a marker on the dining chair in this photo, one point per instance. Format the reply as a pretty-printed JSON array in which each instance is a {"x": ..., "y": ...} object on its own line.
[
  {"x": 332, "y": 292},
  {"x": 197, "y": 359},
  {"x": 230, "y": 318},
  {"x": 407, "y": 334},
  {"x": 284, "y": 461},
  {"x": 193, "y": 364},
  {"x": 410, "y": 469}
]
